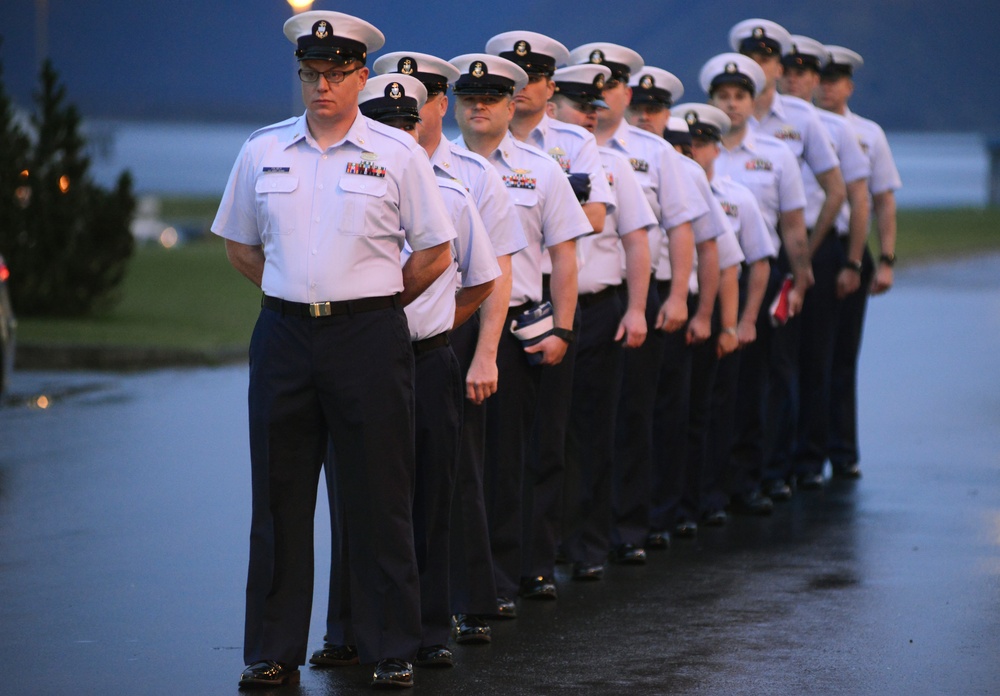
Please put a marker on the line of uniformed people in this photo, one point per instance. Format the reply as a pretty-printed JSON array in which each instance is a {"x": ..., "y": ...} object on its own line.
[{"x": 680, "y": 278}]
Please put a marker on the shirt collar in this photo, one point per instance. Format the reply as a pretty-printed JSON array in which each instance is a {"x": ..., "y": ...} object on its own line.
[
  {"x": 539, "y": 132},
  {"x": 359, "y": 134},
  {"x": 621, "y": 137}
]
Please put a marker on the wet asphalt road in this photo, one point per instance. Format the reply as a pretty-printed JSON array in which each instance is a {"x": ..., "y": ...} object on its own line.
[{"x": 124, "y": 518}]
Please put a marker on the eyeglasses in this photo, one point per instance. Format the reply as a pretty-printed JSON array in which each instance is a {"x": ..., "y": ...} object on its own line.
[
  {"x": 583, "y": 107},
  {"x": 333, "y": 77}
]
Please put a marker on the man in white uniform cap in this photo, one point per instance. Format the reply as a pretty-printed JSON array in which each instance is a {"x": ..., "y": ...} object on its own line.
[
  {"x": 316, "y": 212},
  {"x": 767, "y": 167},
  {"x": 472, "y": 585},
  {"x": 656, "y": 164},
  {"x": 836, "y": 88},
  {"x": 551, "y": 219},
  {"x": 837, "y": 266},
  {"x": 396, "y": 100}
]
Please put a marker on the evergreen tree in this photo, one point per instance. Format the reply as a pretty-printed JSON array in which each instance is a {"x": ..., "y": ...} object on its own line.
[
  {"x": 14, "y": 156},
  {"x": 75, "y": 240}
]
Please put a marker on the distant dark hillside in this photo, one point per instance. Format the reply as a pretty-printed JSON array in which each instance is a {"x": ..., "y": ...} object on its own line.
[{"x": 228, "y": 60}]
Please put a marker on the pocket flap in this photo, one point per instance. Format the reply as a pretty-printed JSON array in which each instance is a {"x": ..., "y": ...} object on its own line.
[
  {"x": 277, "y": 183},
  {"x": 370, "y": 185}
]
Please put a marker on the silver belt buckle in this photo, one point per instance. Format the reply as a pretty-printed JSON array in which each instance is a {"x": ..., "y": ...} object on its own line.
[{"x": 320, "y": 309}]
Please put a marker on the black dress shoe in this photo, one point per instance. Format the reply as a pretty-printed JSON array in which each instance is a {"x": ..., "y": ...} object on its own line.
[
  {"x": 267, "y": 674},
  {"x": 847, "y": 471},
  {"x": 777, "y": 489},
  {"x": 686, "y": 529},
  {"x": 809, "y": 482},
  {"x": 538, "y": 587},
  {"x": 755, "y": 503},
  {"x": 658, "y": 540},
  {"x": 335, "y": 656},
  {"x": 468, "y": 629},
  {"x": 714, "y": 518},
  {"x": 392, "y": 673},
  {"x": 629, "y": 554},
  {"x": 435, "y": 656},
  {"x": 506, "y": 609},
  {"x": 587, "y": 571}
]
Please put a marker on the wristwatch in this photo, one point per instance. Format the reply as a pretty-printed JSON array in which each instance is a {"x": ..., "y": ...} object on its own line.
[
  {"x": 565, "y": 334},
  {"x": 888, "y": 259},
  {"x": 853, "y": 265}
]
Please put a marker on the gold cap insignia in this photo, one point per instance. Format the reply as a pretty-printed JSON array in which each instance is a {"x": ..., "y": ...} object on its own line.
[
  {"x": 406, "y": 66},
  {"x": 322, "y": 29},
  {"x": 599, "y": 81},
  {"x": 521, "y": 48},
  {"x": 646, "y": 82},
  {"x": 395, "y": 91},
  {"x": 758, "y": 32},
  {"x": 597, "y": 56},
  {"x": 731, "y": 68},
  {"x": 691, "y": 117},
  {"x": 478, "y": 69}
]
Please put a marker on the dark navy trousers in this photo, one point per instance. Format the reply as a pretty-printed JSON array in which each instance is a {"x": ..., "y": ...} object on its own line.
[{"x": 347, "y": 379}]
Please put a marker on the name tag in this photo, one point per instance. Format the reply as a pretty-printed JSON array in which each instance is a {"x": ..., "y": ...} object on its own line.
[
  {"x": 639, "y": 165},
  {"x": 277, "y": 170},
  {"x": 366, "y": 169},
  {"x": 519, "y": 181},
  {"x": 759, "y": 165}
]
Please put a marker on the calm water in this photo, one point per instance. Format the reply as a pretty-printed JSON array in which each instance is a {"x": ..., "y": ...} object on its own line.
[{"x": 938, "y": 169}]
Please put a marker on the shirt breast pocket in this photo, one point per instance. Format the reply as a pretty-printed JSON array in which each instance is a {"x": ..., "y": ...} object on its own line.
[
  {"x": 361, "y": 197},
  {"x": 527, "y": 198},
  {"x": 276, "y": 206}
]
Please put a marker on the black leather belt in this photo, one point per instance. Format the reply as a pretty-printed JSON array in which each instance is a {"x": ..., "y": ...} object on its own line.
[
  {"x": 519, "y": 309},
  {"x": 589, "y": 299},
  {"x": 427, "y": 344},
  {"x": 330, "y": 309}
]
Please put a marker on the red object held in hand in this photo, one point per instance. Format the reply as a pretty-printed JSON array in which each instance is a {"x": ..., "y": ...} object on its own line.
[{"x": 779, "y": 308}]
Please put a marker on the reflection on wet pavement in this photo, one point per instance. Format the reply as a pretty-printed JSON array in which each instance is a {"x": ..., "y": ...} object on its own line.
[{"x": 124, "y": 513}]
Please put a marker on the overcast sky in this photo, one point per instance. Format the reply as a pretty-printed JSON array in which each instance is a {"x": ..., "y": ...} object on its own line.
[{"x": 227, "y": 60}]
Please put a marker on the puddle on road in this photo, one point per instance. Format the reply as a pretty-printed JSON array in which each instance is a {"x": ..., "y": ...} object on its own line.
[{"x": 46, "y": 397}]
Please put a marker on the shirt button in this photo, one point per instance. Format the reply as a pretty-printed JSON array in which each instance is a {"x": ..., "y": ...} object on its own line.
[
  {"x": 325, "y": 156},
  {"x": 320, "y": 187}
]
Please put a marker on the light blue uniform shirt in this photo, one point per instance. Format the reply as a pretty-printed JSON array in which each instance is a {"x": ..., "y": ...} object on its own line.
[
  {"x": 473, "y": 262},
  {"x": 487, "y": 189},
  {"x": 332, "y": 222},
  {"x": 602, "y": 254},
  {"x": 669, "y": 193},
  {"x": 768, "y": 168},
  {"x": 884, "y": 176},
  {"x": 853, "y": 165},
  {"x": 796, "y": 123},
  {"x": 546, "y": 206},
  {"x": 740, "y": 207}
]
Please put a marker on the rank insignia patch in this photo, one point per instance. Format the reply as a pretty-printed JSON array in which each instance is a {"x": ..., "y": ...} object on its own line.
[{"x": 639, "y": 165}]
